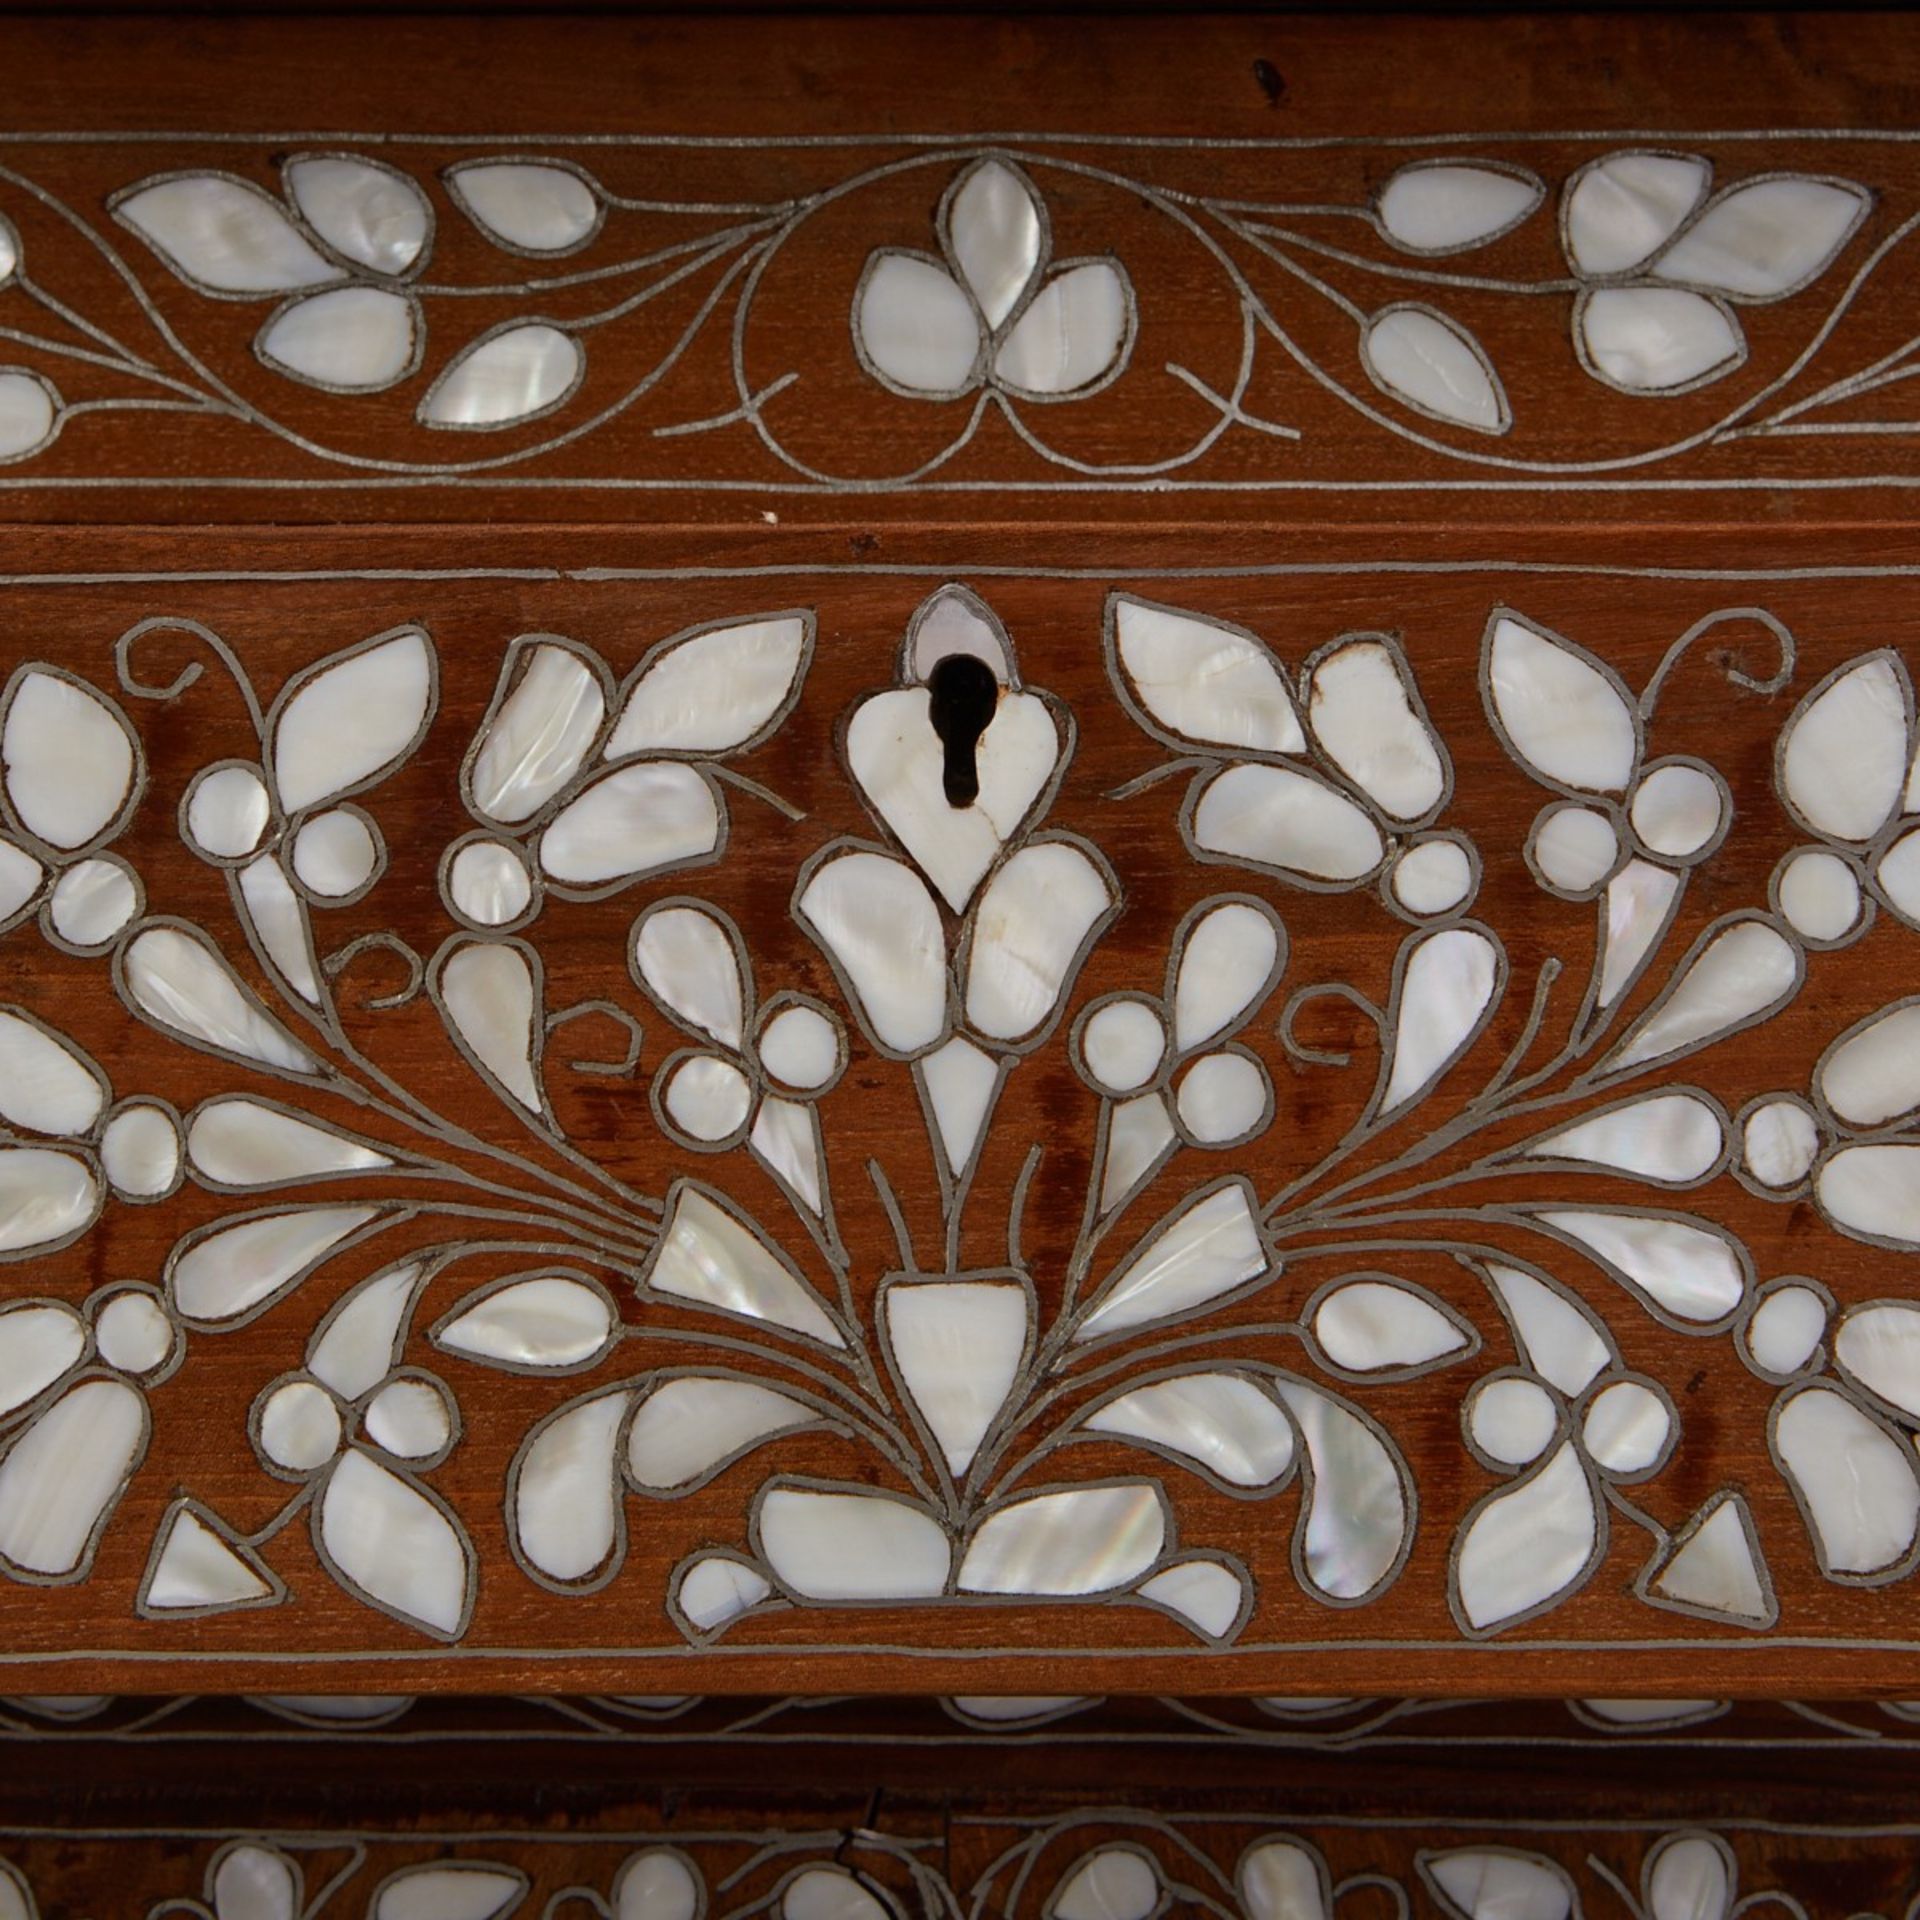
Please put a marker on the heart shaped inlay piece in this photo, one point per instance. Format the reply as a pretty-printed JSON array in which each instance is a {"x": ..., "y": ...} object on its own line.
[{"x": 899, "y": 762}]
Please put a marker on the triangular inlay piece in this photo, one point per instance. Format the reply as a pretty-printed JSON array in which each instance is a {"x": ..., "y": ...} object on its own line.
[
  {"x": 960, "y": 1083},
  {"x": 1717, "y": 1568},
  {"x": 201, "y": 1566}
]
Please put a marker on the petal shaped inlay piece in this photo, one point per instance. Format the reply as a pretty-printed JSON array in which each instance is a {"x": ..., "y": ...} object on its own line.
[
  {"x": 62, "y": 1476},
  {"x": 1361, "y": 709},
  {"x": 1071, "y": 335},
  {"x": 687, "y": 962},
  {"x": 45, "y": 1198},
  {"x": 994, "y": 226},
  {"x": 1220, "y": 1421},
  {"x": 1667, "y": 1136},
  {"x": 538, "y": 733},
  {"x": 1078, "y": 1540},
  {"x": 1858, "y": 1483},
  {"x": 491, "y": 1000},
  {"x": 1030, "y": 932},
  {"x": 39, "y": 1341},
  {"x": 30, "y": 409},
  {"x": 393, "y": 1546},
  {"x": 878, "y": 921},
  {"x": 831, "y": 1545},
  {"x": 687, "y": 1429},
  {"x": 1523, "y": 1549},
  {"x": 649, "y": 817},
  {"x": 1499, "y": 1885},
  {"x": 1367, "y": 1325},
  {"x": 44, "y": 1084},
  {"x": 709, "y": 1254},
  {"x": 1354, "y": 1523},
  {"x": 565, "y": 1509},
  {"x": 1209, "y": 1246},
  {"x": 1289, "y": 822},
  {"x": 1567, "y": 716},
  {"x": 916, "y": 326}
]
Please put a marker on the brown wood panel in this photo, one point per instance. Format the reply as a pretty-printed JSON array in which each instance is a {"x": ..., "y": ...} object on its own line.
[
  {"x": 939, "y": 1860},
  {"x": 303, "y": 599},
  {"x": 748, "y": 174}
]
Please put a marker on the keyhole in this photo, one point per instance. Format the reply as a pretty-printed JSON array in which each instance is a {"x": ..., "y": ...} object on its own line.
[{"x": 965, "y": 694}]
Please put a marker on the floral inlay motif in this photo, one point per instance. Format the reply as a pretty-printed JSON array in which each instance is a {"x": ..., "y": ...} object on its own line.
[{"x": 1019, "y": 1430}]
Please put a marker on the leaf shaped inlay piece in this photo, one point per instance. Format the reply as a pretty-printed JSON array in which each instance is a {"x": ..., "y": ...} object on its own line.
[
  {"x": 520, "y": 372},
  {"x": 1657, "y": 339},
  {"x": 1436, "y": 367},
  {"x": 1201, "y": 680},
  {"x": 530, "y": 206},
  {"x": 60, "y": 1479},
  {"x": 1439, "y": 207},
  {"x": 710, "y": 1254},
  {"x": 369, "y": 213},
  {"x": 347, "y": 721},
  {"x": 68, "y": 757},
  {"x": 224, "y": 235},
  {"x": 1523, "y": 1549},
  {"x": 1622, "y": 209},
  {"x": 354, "y": 339},
  {"x": 718, "y": 691},
  {"x": 1766, "y": 238}
]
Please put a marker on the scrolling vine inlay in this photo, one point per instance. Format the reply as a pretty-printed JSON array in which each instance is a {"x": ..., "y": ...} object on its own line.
[{"x": 875, "y": 315}]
